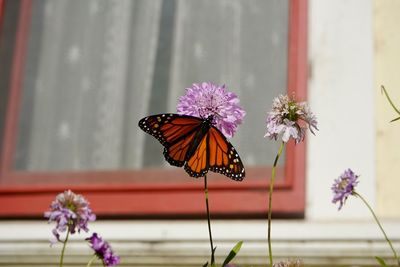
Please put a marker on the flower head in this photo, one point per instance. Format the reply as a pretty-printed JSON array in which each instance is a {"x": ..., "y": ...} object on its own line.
[
  {"x": 289, "y": 263},
  {"x": 207, "y": 99},
  {"x": 344, "y": 186},
  {"x": 103, "y": 250},
  {"x": 289, "y": 119},
  {"x": 71, "y": 212}
]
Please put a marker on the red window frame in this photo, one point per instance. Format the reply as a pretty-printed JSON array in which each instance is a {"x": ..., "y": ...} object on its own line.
[{"x": 28, "y": 194}]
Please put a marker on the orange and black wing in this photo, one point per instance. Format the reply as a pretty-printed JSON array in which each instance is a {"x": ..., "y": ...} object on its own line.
[
  {"x": 197, "y": 164},
  {"x": 179, "y": 134},
  {"x": 224, "y": 158},
  {"x": 175, "y": 132},
  {"x": 214, "y": 152}
]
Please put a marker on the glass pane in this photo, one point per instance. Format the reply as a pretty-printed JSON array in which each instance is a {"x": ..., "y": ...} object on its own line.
[{"x": 95, "y": 67}]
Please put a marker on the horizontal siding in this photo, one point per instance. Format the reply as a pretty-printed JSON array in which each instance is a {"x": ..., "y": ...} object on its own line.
[
  {"x": 195, "y": 253},
  {"x": 185, "y": 243}
]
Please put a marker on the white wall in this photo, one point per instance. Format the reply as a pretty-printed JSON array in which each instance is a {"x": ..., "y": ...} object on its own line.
[
  {"x": 387, "y": 63},
  {"x": 341, "y": 94}
]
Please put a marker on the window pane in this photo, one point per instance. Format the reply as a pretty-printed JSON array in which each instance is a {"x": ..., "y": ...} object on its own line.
[{"x": 94, "y": 68}]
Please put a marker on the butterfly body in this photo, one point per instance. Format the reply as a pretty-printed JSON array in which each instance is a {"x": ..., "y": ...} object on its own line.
[
  {"x": 195, "y": 144},
  {"x": 199, "y": 135}
]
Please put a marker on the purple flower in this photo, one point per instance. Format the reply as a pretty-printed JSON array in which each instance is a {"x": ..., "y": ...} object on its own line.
[
  {"x": 289, "y": 119},
  {"x": 289, "y": 263},
  {"x": 71, "y": 212},
  {"x": 103, "y": 250},
  {"x": 344, "y": 186},
  {"x": 207, "y": 99}
]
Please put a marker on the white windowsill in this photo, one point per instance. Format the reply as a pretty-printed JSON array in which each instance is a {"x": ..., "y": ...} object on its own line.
[{"x": 154, "y": 242}]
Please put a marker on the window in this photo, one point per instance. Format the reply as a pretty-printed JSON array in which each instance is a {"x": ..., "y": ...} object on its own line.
[{"x": 82, "y": 74}]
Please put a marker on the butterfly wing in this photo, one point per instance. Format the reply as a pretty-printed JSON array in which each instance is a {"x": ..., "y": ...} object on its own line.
[
  {"x": 175, "y": 132},
  {"x": 224, "y": 158},
  {"x": 217, "y": 154},
  {"x": 179, "y": 136},
  {"x": 177, "y": 153},
  {"x": 197, "y": 165}
]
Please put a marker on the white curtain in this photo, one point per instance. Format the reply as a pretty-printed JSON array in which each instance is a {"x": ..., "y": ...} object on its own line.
[{"x": 95, "y": 67}]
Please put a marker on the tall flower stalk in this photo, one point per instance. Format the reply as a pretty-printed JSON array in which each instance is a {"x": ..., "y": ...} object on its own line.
[
  {"x": 380, "y": 226},
  {"x": 209, "y": 221},
  {"x": 63, "y": 249},
  {"x": 287, "y": 119},
  {"x": 93, "y": 259},
  {"x": 208, "y": 100},
  {"x": 271, "y": 189},
  {"x": 381, "y": 261},
  {"x": 342, "y": 188}
]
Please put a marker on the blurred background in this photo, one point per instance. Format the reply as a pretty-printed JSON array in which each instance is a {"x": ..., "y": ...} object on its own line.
[{"x": 77, "y": 76}]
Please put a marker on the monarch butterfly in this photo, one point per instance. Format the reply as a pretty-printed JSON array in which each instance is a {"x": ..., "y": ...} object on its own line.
[{"x": 194, "y": 143}]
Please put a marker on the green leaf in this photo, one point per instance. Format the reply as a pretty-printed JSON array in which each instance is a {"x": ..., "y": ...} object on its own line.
[
  {"x": 395, "y": 119},
  {"x": 381, "y": 261},
  {"x": 206, "y": 264},
  {"x": 390, "y": 101},
  {"x": 232, "y": 253}
]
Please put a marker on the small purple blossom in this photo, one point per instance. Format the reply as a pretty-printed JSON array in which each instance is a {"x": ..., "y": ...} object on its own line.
[
  {"x": 344, "y": 186},
  {"x": 289, "y": 263},
  {"x": 71, "y": 212},
  {"x": 289, "y": 119},
  {"x": 208, "y": 99},
  {"x": 103, "y": 250}
]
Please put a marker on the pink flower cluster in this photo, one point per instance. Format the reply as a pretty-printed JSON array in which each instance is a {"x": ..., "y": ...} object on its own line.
[
  {"x": 71, "y": 212},
  {"x": 289, "y": 119},
  {"x": 344, "y": 186},
  {"x": 103, "y": 250},
  {"x": 208, "y": 99}
]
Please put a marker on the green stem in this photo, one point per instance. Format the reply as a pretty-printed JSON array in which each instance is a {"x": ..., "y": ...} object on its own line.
[
  {"x": 390, "y": 101},
  {"x": 91, "y": 260},
  {"x": 271, "y": 189},
  {"x": 63, "y": 249},
  {"x": 209, "y": 221},
  {"x": 380, "y": 226}
]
